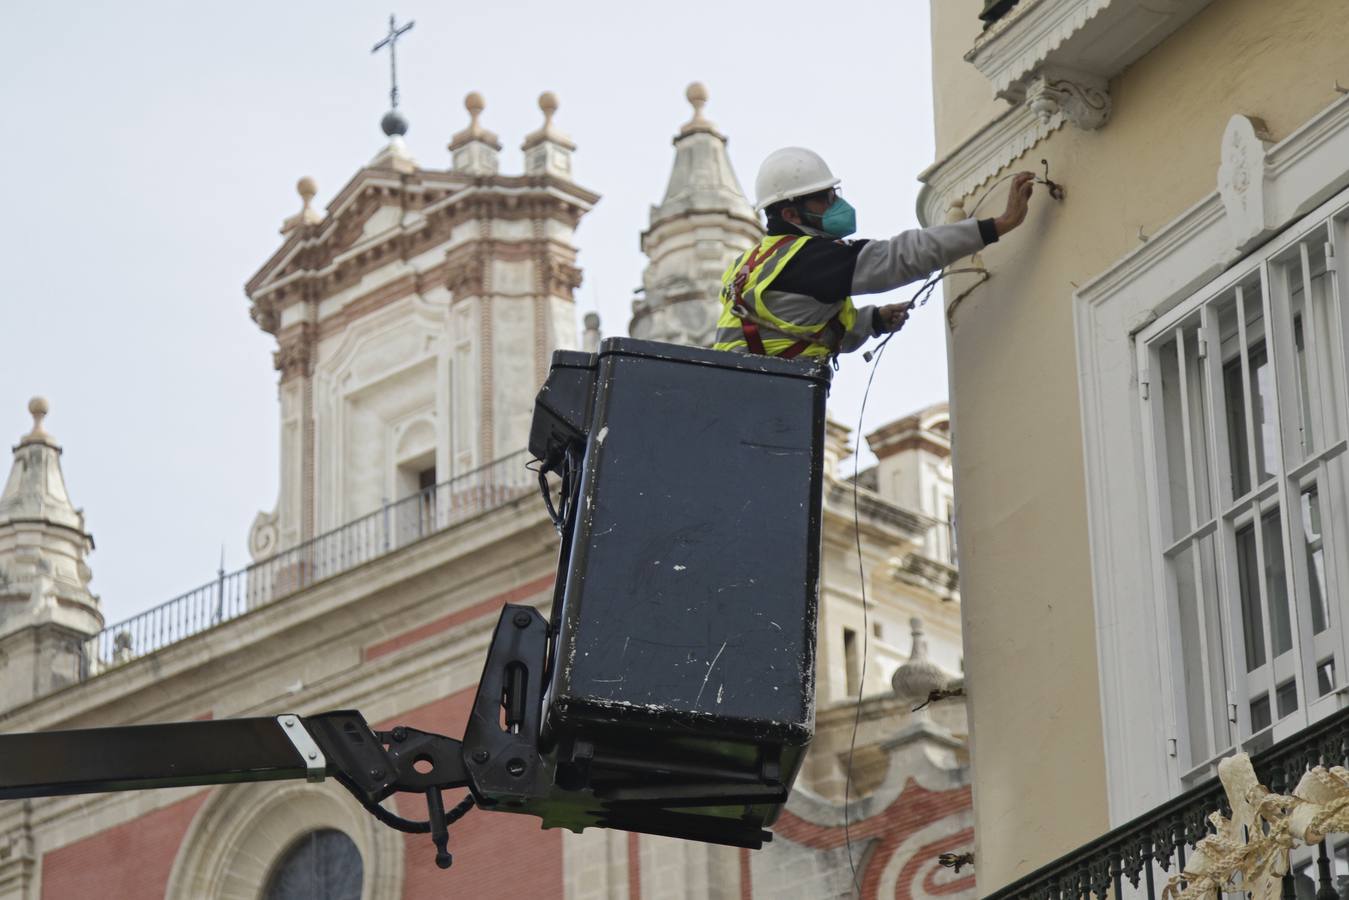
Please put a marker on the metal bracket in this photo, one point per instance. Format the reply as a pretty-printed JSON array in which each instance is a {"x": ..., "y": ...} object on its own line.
[{"x": 316, "y": 766}]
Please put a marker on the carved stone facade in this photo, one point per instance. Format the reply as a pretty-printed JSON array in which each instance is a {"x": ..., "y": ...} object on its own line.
[
  {"x": 46, "y": 609},
  {"x": 697, "y": 230},
  {"x": 414, "y": 322}
]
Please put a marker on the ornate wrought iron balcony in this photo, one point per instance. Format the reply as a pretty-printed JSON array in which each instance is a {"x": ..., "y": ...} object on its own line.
[
  {"x": 1140, "y": 856},
  {"x": 393, "y": 526}
]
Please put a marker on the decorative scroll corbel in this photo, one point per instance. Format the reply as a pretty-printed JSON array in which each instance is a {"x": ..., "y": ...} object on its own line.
[{"x": 1083, "y": 99}]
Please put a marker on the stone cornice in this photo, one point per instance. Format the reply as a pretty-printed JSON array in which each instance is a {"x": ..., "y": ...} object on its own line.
[
  {"x": 1097, "y": 37},
  {"x": 958, "y": 174},
  {"x": 320, "y": 261},
  {"x": 334, "y": 250}
]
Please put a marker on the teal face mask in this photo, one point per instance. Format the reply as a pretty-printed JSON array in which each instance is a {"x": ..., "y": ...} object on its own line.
[{"x": 840, "y": 219}]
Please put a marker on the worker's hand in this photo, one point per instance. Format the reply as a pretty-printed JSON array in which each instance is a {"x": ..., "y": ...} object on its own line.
[
  {"x": 893, "y": 316},
  {"x": 1018, "y": 202}
]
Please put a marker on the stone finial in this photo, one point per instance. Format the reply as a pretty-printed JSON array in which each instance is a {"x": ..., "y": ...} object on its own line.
[
  {"x": 548, "y": 132},
  {"x": 590, "y": 338},
  {"x": 548, "y": 103},
  {"x": 474, "y": 133},
  {"x": 696, "y": 94},
  {"x": 307, "y": 189},
  {"x": 919, "y": 676},
  {"x": 474, "y": 151},
  {"x": 547, "y": 150},
  {"x": 38, "y": 408}
]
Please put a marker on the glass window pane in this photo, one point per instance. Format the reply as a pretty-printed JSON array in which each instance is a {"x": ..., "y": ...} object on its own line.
[
  {"x": 1286, "y": 697},
  {"x": 1276, "y": 584},
  {"x": 1316, "y": 560},
  {"x": 1304, "y": 396},
  {"x": 1262, "y": 410},
  {"x": 1173, "y": 441},
  {"x": 1200, "y": 634},
  {"x": 1260, "y": 713},
  {"x": 321, "y": 865},
  {"x": 1325, "y": 677},
  {"x": 1252, "y": 620}
]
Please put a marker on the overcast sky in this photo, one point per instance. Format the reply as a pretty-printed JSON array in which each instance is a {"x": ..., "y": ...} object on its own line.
[{"x": 152, "y": 152}]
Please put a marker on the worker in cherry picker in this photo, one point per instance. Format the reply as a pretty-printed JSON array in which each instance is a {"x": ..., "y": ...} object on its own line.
[{"x": 792, "y": 294}]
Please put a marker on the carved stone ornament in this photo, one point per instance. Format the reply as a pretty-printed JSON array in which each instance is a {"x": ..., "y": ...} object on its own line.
[
  {"x": 1241, "y": 179},
  {"x": 295, "y": 353},
  {"x": 1083, "y": 99},
  {"x": 1227, "y": 862},
  {"x": 264, "y": 538}
]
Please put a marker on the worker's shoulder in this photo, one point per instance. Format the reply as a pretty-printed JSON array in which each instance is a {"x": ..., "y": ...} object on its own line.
[{"x": 826, "y": 249}]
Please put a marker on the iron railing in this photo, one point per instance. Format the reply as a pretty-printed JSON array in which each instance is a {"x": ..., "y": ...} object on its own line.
[
  {"x": 1137, "y": 859},
  {"x": 393, "y": 526}
]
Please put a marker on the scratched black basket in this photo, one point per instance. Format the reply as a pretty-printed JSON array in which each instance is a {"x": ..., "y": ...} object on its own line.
[{"x": 687, "y": 593}]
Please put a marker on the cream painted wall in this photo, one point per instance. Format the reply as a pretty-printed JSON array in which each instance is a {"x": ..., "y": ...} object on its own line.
[
  {"x": 963, "y": 100},
  {"x": 1029, "y": 625}
]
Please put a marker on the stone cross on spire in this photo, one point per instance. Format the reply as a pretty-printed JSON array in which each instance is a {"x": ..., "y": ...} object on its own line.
[{"x": 391, "y": 41}]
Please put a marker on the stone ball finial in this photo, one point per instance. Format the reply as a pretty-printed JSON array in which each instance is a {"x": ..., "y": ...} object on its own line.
[
  {"x": 474, "y": 103},
  {"x": 394, "y": 123},
  {"x": 306, "y": 188},
  {"x": 696, "y": 93},
  {"x": 38, "y": 408},
  {"x": 548, "y": 103},
  {"x": 917, "y": 678}
]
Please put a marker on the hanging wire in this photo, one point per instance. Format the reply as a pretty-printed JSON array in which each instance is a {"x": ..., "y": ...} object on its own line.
[{"x": 920, "y": 298}]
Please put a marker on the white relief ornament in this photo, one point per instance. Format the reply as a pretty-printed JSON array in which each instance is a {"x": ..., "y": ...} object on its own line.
[
  {"x": 1081, "y": 98},
  {"x": 1241, "y": 179}
]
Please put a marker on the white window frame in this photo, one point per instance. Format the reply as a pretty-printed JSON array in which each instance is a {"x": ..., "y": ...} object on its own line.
[
  {"x": 1295, "y": 179},
  {"x": 1301, "y": 264}
]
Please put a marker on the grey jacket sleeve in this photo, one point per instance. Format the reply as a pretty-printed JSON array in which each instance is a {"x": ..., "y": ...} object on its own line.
[
  {"x": 861, "y": 329},
  {"x": 911, "y": 255}
]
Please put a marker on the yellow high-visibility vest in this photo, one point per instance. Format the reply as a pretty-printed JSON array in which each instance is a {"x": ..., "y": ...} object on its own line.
[{"x": 747, "y": 319}]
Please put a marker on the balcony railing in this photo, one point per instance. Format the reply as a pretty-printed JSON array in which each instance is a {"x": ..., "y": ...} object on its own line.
[
  {"x": 393, "y": 526},
  {"x": 1138, "y": 858}
]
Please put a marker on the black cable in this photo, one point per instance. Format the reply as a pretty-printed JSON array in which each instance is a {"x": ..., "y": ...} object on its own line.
[
  {"x": 460, "y": 810},
  {"x": 925, "y": 293},
  {"x": 397, "y": 822}
]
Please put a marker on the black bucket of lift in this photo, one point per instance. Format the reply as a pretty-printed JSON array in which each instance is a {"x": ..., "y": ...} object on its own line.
[{"x": 680, "y": 696}]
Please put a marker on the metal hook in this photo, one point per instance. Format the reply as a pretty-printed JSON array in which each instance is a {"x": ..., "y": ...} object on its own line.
[{"x": 1055, "y": 190}]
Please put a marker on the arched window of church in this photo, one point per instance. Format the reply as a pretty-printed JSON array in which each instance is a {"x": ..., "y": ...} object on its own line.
[{"x": 321, "y": 865}]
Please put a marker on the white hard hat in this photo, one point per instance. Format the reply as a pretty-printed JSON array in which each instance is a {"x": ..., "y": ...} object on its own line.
[{"x": 791, "y": 172}]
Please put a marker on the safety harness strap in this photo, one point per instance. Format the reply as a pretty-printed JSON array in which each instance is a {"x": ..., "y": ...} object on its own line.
[
  {"x": 749, "y": 323},
  {"x": 753, "y": 340}
]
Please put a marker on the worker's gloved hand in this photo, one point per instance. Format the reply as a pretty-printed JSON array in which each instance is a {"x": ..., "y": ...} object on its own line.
[
  {"x": 1018, "y": 202},
  {"x": 893, "y": 317}
]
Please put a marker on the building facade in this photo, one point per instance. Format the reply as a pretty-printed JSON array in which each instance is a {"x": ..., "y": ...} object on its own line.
[
  {"x": 414, "y": 321},
  {"x": 1148, "y": 388}
]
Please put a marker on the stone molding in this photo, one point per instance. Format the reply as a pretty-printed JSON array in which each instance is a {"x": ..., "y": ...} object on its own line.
[
  {"x": 243, "y": 830},
  {"x": 1242, "y": 178},
  {"x": 956, "y": 176},
  {"x": 330, "y": 256},
  {"x": 1097, "y": 37},
  {"x": 1298, "y": 174}
]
